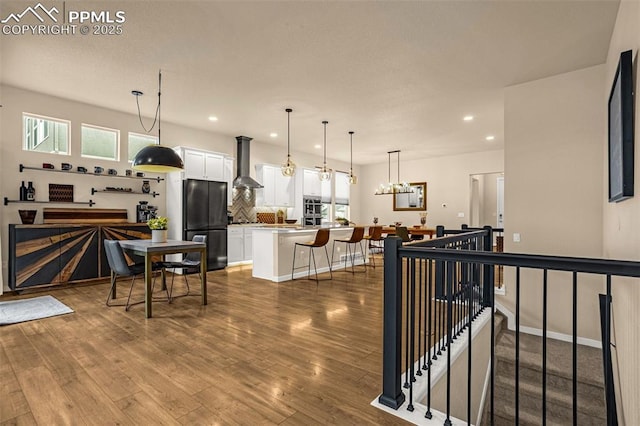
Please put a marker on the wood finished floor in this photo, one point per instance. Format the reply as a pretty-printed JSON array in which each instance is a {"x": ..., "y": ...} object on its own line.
[{"x": 260, "y": 353}]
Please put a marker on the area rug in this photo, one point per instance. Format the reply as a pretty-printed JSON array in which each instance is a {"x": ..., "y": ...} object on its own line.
[{"x": 15, "y": 311}]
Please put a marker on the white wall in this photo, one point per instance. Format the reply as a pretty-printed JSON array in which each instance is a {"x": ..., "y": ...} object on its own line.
[
  {"x": 621, "y": 227},
  {"x": 447, "y": 183},
  {"x": 553, "y": 190}
]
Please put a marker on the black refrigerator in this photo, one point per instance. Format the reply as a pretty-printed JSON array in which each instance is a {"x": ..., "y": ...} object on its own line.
[{"x": 204, "y": 212}]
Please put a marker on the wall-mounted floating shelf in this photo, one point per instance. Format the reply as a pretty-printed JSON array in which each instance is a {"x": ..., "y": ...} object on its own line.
[
  {"x": 23, "y": 167},
  {"x": 89, "y": 203},
  {"x": 116, "y": 191}
]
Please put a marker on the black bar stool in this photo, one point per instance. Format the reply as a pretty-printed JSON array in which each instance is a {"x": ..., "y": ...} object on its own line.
[
  {"x": 321, "y": 240},
  {"x": 356, "y": 238}
]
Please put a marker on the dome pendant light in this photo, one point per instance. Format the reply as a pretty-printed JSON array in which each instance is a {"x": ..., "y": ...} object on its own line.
[
  {"x": 155, "y": 158},
  {"x": 289, "y": 168},
  {"x": 353, "y": 179},
  {"x": 325, "y": 173}
]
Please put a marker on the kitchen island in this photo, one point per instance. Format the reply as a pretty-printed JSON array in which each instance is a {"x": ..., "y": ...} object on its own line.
[{"x": 273, "y": 251}]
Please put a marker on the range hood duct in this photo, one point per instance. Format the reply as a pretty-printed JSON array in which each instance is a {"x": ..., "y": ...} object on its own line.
[{"x": 244, "y": 179}]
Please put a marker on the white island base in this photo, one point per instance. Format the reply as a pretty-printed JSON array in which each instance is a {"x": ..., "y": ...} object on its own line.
[{"x": 273, "y": 252}]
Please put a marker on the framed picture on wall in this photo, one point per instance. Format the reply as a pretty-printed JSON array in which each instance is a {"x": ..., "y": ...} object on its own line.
[{"x": 621, "y": 138}]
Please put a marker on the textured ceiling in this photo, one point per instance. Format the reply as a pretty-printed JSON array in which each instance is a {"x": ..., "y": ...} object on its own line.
[{"x": 400, "y": 74}]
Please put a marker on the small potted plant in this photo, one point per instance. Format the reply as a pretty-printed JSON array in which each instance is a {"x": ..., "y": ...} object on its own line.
[{"x": 158, "y": 226}]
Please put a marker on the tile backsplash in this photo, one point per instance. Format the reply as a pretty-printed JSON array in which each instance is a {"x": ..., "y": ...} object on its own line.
[{"x": 243, "y": 207}]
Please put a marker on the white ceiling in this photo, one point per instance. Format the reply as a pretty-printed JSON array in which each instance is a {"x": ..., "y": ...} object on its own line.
[{"x": 400, "y": 74}]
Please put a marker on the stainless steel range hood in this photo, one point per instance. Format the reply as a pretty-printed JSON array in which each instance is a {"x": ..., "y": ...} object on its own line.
[{"x": 244, "y": 180}]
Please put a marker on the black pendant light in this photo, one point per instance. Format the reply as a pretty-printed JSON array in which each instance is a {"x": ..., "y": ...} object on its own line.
[
  {"x": 289, "y": 168},
  {"x": 325, "y": 173},
  {"x": 155, "y": 158},
  {"x": 353, "y": 179}
]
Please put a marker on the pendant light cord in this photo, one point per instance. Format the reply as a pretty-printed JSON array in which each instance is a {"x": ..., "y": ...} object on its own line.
[
  {"x": 324, "y": 168},
  {"x": 351, "y": 154},
  {"x": 156, "y": 118},
  {"x": 288, "y": 132}
]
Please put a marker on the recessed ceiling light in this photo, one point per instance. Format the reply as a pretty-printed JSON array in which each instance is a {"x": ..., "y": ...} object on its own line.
[
  {"x": 273, "y": 135},
  {"x": 317, "y": 146},
  {"x": 213, "y": 118},
  {"x": 468, "y": 118},
  {"x": 490, "y": 138}
]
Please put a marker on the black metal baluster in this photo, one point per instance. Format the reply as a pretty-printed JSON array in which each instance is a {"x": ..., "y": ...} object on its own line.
[
  {"x": 427, "y": 312},
  {"x": 411, "y": 296},
  {"x": 544, "y": 347},
  {"x": 407, "y": 308},
  {"x": 428, "y": 414},
  {"x": 449, "y": 280},
  {"x": 517, "y": 407},
  {"x": 469, "y": 372},
  {"x": 493, "y": 353},
  {"x": 419, "y": 372},
  {"x": 574, "y": 348}
]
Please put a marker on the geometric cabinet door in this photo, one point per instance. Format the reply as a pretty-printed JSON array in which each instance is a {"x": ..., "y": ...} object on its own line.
[{"x": 52, "y": 255}]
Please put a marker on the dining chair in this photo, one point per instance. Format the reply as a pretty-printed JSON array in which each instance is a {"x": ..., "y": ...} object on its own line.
[
  {"x": 120, "y": 268},
  {"x": 356, "y": 238},
  {"x": 374, "y": 240},
  {"x": 190, "y": 262},
  {"x": 403, "y": 234},
  {"x": 321, "y": 240}
]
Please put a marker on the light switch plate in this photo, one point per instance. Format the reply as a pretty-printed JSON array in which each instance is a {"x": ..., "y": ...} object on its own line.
[
  {"x": 460, "y": 214},
  {"x": 516, "y": 237}
]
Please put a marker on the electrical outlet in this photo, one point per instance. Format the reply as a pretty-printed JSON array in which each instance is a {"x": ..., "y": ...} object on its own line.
[
  {"x": 516, "y": 237},
  {"x": 460, "y": 214}
]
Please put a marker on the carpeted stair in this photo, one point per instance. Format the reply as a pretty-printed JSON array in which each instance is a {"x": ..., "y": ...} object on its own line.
[{"x": 591, "y": 401}]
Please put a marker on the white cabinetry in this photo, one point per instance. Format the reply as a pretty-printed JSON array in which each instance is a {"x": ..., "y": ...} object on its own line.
[
  {"x": 239, "y": 244},
  {"x": 228, "y": 177},
  {"x": 248, "y": 244},
  {"x": 235, "y": 245},
  {"x": 202, "y": 164},
  {"x": 311, "y": 184},
  {"x": 278, "y": 191}
]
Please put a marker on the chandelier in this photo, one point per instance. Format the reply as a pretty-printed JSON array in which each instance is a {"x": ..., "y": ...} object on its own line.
[{"x": 391, "y": 187}]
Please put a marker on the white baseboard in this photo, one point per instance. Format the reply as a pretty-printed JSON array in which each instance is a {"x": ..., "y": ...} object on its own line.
[{"x": 511, "y": 325}]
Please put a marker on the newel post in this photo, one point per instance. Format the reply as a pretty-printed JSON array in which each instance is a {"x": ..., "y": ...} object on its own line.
[{"x": 392, "y": 395}]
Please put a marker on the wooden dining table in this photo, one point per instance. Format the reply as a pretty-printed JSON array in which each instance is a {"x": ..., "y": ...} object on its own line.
[
  {"x": 412, "y": 230},
  {"x": 149, "y": 249}
]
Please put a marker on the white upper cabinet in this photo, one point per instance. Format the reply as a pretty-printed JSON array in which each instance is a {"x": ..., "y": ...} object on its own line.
[
  {"x": 202, "y": 164},
  {"x": 311, "y": 183},
  {"x": 229, "y": 175},
  {"x": 278, "y": 191}
]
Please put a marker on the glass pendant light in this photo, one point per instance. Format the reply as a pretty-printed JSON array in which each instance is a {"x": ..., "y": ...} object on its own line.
[
  {"x": 155, "y": 158},
  {"x": 289, "y": 168},
  {"x": 325, "y": 173},
  {"x": 353, "y": 179}
]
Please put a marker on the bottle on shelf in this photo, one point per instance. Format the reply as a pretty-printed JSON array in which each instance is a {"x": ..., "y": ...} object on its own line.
[
  {"x": 23, "y": 192},
  {"x": 31, "y": 192}
]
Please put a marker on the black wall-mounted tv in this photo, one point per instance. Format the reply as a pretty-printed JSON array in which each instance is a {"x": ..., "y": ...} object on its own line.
[{"x": 621, "y": 130}]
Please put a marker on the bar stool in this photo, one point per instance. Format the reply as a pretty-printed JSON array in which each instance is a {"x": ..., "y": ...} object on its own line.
[
  {"x": 374, "y": 238},
  {"x": 321, "y": 240},
  {"x": 356, "y": 238}
]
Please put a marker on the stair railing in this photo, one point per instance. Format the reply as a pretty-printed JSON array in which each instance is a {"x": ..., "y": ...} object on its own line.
[{"x": 435, "y": 289}]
